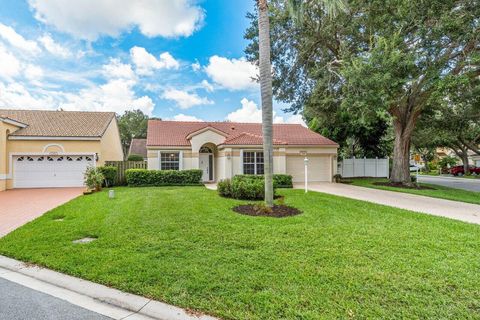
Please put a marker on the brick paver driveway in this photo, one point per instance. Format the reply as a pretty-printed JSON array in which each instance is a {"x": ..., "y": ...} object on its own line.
[{"x": 20, "y": 206}]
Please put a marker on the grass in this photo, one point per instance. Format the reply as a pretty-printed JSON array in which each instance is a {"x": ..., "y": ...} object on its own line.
[
  {"x": 440, "y": 192},
  {"x": 341, "y": 258}
]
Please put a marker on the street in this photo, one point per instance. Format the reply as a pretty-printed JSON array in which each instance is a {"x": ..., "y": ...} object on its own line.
[
  {"x": 452, "y": 182},
  {"x": 21, "y": 303}
]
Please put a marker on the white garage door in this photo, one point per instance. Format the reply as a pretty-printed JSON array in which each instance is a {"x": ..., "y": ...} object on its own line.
[
  {"x": 318, "y": 168},
  {"x": 50, "y": 171}
]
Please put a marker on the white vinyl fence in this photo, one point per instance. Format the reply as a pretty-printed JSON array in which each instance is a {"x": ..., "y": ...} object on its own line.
[{"x": 351, "y": 168}]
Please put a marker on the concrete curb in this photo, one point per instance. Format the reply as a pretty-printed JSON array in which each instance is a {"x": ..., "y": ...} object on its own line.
[{"x": 134, "y": 305}]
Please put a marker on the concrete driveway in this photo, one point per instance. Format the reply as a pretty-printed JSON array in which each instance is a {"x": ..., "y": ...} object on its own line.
[
  {"x": 452, "y": 182},
  {"x": 20, "y": 206},
  {"x": 445, "y": 208}
]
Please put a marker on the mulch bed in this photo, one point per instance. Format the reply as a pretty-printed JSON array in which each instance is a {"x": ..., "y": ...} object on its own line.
[
  {"x": 402, "y": 186},
  {"x": 278, "y": 211}
]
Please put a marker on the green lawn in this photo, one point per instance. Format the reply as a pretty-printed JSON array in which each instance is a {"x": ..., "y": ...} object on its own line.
[
  {"x": 341, "y": 258},
  {"x": 438, "y": 192}
]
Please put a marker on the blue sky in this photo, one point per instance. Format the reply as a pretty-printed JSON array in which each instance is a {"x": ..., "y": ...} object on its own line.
[{"x": 181, "y": 60}]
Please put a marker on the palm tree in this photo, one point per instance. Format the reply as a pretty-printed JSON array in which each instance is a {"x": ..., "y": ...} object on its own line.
[{"x": 267, "y": 97}]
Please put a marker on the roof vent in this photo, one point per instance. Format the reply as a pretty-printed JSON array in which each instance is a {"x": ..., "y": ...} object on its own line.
[{"x": 232, "y": 127}]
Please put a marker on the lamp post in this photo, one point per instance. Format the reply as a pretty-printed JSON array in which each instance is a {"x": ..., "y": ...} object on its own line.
[{"x": 305, "y": 161}]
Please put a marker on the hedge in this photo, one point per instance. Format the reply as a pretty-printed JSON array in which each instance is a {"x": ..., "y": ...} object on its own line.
[
  {"x": 110, "y": 175},
  {"x": 144, "y": 177},
  {"x": 135, "y": 157},
  {"x": 279, "y": 180},
  {"x": 251, "y": 187}
]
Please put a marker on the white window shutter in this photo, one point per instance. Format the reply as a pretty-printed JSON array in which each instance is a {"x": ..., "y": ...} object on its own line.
[{"x": 180, "y": 165}]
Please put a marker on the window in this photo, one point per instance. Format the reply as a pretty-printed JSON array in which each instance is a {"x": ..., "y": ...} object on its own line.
[
  {"x": 253, "y": 162},
  {"x": 170, "y": 161}
]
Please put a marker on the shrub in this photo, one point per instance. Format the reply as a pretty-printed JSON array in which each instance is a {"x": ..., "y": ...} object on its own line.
[
  {"x": 279, "y": 180},
  {"x": 110, "y": 174},
  {"x": 283, "y": 180},
  {"x": 250, "y": 187},
  {"x": 93, "y": 179},
  {"x": 337, "y": 178},
  {"x": 224, "y": 188},
  {"x": 144, "y": 177},
  {"x": 135, "y": 157}
]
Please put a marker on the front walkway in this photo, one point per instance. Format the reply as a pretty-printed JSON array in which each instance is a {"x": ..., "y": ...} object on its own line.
[
  {"x": 438, "y": 207},
  {"x": 20, "y": 206}
]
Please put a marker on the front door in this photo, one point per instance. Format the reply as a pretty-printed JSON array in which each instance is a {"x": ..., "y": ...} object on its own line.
[{"x": 206, "y": 165}]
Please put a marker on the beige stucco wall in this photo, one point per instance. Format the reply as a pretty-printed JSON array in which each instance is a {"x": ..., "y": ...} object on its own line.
[
  {"x": 110, "y": 144},
  {"x": 108, "y": 148},
  {"x": 4, "y": 164}
]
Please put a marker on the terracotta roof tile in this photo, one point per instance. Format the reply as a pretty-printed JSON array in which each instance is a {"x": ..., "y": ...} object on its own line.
[
  {"x": 174, "y": 133},
  {"x": 60, "y": 123}
]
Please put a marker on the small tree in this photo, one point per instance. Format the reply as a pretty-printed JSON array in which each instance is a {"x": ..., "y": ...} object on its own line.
[{"x": 93, "y": 179}]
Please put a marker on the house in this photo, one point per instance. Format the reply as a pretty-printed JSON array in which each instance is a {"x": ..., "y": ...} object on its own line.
[
  {"x": 138, "y": 147},
  {"x": 225, "y": 149},
  {"x": 53, "y": 148}
]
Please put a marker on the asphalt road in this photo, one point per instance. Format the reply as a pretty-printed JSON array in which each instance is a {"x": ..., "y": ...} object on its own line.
[
  {"x": 459, "y": 183},
  {"x": 21, "y": 303}
]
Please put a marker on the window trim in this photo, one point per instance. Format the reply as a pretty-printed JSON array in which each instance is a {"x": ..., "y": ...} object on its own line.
[{"x": 242, "y": 163}]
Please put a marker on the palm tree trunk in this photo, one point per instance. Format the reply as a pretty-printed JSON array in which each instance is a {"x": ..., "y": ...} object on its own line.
[{"x": 267, "y": 97}]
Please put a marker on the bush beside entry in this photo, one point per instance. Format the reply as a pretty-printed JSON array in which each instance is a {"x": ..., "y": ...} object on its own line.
[
  {"x": 93, "y": 179},
  {"x": 144, "y": 177}
]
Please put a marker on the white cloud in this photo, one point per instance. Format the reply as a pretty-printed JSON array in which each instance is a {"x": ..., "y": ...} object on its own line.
[
  {"x": 233, "y": 74},
  {"x": 116, "y": 95},
  {"x": 53, "y": 47},
  {"x": 184, "y": 117},
  {"x": 15, "y": 95},
  {"x": 17, "y": 40},
  {"x": 207, "y": 86},
  {"x": 146, "y": 63},
  {"x": 297, "y": 119},
  {"x": 9, "y": 65},
  {"x": 115, "y": 69},
  {"x": 89, "y": 19},
  {"x": 185, "y": 99},
  {"x": 250, "y": 112},
  {"x": 33, "y": 72},
  {"x": 196, "y": 66}
]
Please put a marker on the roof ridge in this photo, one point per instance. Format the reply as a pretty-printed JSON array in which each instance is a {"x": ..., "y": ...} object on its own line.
[
  {"x": 69, "y": 111},
  {"x": 224, "y": 122}
]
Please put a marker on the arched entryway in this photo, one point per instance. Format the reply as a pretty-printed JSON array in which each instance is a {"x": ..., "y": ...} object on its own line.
[{"x": 207, "y": 162}]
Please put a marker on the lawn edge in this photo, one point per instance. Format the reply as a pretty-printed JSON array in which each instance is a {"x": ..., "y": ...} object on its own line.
[{"x": 133, "y": 303}]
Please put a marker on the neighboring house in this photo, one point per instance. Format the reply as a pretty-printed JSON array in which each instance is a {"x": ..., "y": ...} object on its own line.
[
  {"x": 138, "y": 147},
  {"x": 53, "y": 148},
  {"x": 224, "y": 149}
]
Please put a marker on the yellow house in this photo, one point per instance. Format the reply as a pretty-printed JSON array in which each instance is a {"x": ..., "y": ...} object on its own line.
[
  {"x": 224, "y": 149},
  {"x": 41, "y": 149}
]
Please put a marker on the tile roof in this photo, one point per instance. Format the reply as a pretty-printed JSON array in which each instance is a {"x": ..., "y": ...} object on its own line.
[
  {"x": 138, "y": 147},
  {"x": 59, "y": 123},
  {"x": 174, "y": 133}
]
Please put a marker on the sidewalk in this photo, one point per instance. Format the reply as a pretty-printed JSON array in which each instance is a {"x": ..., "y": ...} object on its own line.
[
  {"x": 103, "y": 300},
  {"x": 438, "y": 207}
]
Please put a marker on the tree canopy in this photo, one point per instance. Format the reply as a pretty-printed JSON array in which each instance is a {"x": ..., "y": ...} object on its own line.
[
  {"x": 132, "y": 124},
  {"x": 376, "y": 61}
]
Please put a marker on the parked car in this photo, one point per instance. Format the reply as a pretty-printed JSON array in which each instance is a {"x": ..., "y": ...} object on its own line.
[
  {"x": 460, "y": 171},
  {"x": 415, "y": 168}
]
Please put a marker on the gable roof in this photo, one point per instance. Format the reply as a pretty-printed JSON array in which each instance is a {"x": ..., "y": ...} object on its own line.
[
  {"x": 138, "y": 147},
  {"x": 59, "y": 123},
  {"x": 176, "y": 133}
]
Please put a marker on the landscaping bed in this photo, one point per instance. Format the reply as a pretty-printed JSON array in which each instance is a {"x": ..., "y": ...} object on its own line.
[
  {"x": 340, "y": 258},
  {"x": 277, "y": 211}
]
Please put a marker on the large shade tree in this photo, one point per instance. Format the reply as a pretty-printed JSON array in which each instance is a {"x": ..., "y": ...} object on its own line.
[
  {"x": 375, "y": 60},
  {"x": 132, "y": 124}
]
